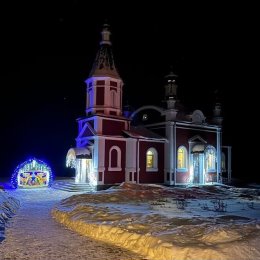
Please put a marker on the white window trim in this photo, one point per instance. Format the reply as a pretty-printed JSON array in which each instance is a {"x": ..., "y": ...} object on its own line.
[
  {"x": 155, "y": 153},
  {"x": 118, "y": 168},
  {"x": 152, "y": 169},
  {"x": 185, "y": 169}
]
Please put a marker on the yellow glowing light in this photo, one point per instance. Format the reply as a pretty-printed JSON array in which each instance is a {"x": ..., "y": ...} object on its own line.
[{"x": 149, "y": 159}]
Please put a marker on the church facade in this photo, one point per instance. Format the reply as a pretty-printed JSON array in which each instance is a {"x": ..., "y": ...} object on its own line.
[{"x": 114, "y": 147}]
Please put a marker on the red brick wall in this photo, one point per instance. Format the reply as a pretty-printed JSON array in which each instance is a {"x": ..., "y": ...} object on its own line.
[
  {"x": 111, "y": 127},
  {"x": 183, "y": 136},
  {"x": 117, "y": 176}
]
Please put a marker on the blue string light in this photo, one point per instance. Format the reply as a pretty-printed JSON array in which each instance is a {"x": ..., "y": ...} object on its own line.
[{"x": 32, "y": 166}]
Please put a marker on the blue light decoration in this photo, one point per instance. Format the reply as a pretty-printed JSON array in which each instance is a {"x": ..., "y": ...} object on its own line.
[{"x": 33, "y": 173}]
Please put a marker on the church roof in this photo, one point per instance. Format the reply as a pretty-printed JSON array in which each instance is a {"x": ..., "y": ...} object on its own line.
[
  {"x": 104, "y": 64},
  {"x": 142, "y": 133}
]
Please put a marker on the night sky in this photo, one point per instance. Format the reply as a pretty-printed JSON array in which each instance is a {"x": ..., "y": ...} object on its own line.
[{"x": 48, "y": 49}]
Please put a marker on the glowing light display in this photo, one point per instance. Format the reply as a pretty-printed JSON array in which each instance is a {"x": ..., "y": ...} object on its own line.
[{"x": 33, "y": 173}]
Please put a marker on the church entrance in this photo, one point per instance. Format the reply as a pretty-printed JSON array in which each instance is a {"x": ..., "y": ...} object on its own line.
[
  {"x": 83, "y": 168},
  {"x": 81, "y": 160},
  {"x": 198, "y": 168}
]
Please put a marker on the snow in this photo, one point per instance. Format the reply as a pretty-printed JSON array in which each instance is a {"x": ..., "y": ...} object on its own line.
[
  {"x": 210, "y": 222},
  {"x": 32, "y": 233},
  {"x": 8, "y": 207},
  {"x": 132, "y": 222}
]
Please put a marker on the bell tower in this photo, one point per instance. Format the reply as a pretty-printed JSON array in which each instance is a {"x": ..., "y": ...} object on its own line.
[
  {"x": 171, "y": 96},
  {"x": 170, "y": 90},
  {"x": 104, "y": 85}
]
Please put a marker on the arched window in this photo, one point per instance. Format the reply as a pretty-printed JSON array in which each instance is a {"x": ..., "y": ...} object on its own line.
[
  {"x": 114, "y": 159},
  {"x": 182, "y": 158},
  {"x": 151, "y": 160},
  {"x": 210, "y": 159},
  {"x": 113, "y": 98}
]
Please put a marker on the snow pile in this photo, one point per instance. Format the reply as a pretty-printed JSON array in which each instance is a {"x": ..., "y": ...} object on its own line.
[
  {"x": 8, "y": 207},
  {"x": 161, "y": 223}
]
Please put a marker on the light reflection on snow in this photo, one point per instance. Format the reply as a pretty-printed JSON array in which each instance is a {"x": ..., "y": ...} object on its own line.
[{"x": 169, "y": 223}]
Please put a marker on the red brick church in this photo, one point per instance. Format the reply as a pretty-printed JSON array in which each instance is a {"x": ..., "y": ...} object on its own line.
[{"x": 113, "y": 147}]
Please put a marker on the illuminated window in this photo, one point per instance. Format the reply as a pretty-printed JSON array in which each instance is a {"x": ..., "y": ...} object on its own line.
[
  {"x": 114, "y": 159},
  {"x": 151, "y": 160},
  {"x": 210, "y": 156},
  {"x": 182, "y": 158}
]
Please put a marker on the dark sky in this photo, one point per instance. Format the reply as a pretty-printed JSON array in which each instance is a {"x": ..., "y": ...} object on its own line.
[{"x": 48, "y": 49}]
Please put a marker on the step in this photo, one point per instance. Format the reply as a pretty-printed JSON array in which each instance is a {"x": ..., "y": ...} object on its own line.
[{"x": 70, "y": 186}]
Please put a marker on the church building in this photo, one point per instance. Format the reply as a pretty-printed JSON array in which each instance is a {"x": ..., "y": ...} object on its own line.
[{"x": 162, "y": 145}]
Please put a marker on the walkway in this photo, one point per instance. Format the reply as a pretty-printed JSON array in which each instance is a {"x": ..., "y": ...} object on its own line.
[{"x": 34, "y": 235}]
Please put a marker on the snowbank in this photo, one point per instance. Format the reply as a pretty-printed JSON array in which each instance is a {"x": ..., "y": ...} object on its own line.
[
  {"x": 8, "y": 207},
  {"x": 169, "y": 223}
]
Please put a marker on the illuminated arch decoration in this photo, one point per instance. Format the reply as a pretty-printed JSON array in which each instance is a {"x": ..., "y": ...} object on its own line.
[{"x": 33, "y": 173}]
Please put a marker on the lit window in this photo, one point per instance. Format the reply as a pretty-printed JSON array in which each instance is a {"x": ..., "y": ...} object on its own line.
[
  {"x": 151, "y": 160},
  {"x": 182, "y": 158},
  {"x": 210, "y": 153}
]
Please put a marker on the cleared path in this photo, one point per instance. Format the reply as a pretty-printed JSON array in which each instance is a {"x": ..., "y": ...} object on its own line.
[{"x": 33, "y": 233}]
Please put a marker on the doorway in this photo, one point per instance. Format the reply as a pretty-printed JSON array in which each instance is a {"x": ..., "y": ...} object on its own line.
[{"x": 198, "y": 168}]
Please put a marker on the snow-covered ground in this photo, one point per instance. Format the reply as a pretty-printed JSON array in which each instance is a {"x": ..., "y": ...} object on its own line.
[
  {"x": 8, "y": 207},
  {"x": 32, "y": 233},
  {"x": 210, "y": 222},
  {"x": 154, "y": 222}
]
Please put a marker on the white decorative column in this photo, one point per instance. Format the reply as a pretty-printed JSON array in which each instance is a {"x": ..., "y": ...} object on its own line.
[
  {"x": 170, "y": 152},
  {"x": 229, "y": 164},
  {"x": 218, "y": 154}
]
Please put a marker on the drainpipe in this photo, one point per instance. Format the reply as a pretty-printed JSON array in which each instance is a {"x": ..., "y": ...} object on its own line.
[
  {"x": 218, "y": 155},
  {"x": 171, "y": 152},
  {"x": 137, "y": 162},
  {"x": 175, "y": 155},
  {"x": 229, "y": 164}
]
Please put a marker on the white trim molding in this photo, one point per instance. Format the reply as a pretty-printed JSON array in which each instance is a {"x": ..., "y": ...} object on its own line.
[{"x": 118, "y": 167}]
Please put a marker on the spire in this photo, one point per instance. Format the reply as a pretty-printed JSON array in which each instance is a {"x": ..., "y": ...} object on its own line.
[
  {"x": 105, "y": 35},
  {"x": 171, "y": 96},
  {"x": 104, "y": 64},
  {"x": 217, "y": 111}
]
